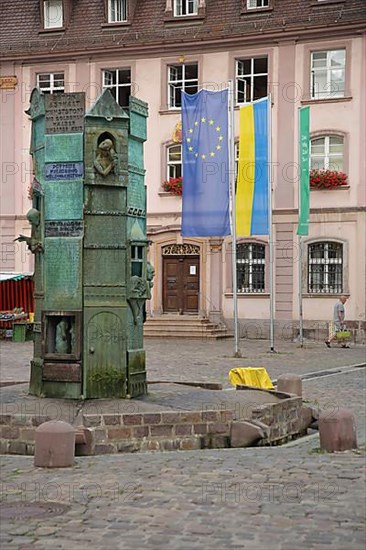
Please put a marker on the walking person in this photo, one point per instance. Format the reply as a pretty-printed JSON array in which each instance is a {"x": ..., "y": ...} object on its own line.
[{"x": 337, "y": 324}]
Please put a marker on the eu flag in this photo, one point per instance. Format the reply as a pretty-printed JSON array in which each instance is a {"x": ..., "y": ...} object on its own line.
[{"x": 205, "y": 209}]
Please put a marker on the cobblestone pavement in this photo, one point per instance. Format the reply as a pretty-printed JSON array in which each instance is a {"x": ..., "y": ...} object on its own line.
[
  {"x": 205, "y": 360},
  {"x": 287, "y": 498}
]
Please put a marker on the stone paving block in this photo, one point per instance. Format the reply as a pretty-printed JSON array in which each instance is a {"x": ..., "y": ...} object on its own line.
[
  {"x": 140, "y": 431},
  {"x": 244, "y": 434},
  {"x": 132, "y": 419},
  {"x": 112, "y": 419},
  {"x": 5, "y": 419},
  {"x": 219, "y": 427},
  {"x": 161, "y": 430},
  {"x": 17, "y": 447},
  {"x": 122, "y": 432},
  {"x": 189, "y": 444},
  {"x": 199, "y": 429},
  {"x": 210, "y": 416},
  {"x": 104, "y": 448},
  {"x": 9, "y": 432},
  {"x": 183, "y": 429},
  {"x": 128, "y": 446},
  {"x": 290, "y": 383},
  {"x": 92, "y": 420},
  {"x": 4, "y": 446},
  {"x": 337, "y": 430},
  {"x": 152, "y": 418},
  {"x": 170, "y": 418},
  {"x": 27, "y": 434}
]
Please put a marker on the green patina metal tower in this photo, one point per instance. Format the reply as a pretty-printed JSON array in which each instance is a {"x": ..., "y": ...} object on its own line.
[{"x": 88, "y": 221}]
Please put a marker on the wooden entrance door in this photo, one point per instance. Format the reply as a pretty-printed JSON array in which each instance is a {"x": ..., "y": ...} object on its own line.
[{"x": 181, "y": 284}]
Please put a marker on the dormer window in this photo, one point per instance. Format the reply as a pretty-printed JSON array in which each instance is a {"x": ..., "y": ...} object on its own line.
[
  {"x": 117, "y": 11},
  {"x": 185, "y": 7},
  {"x": 53, "y": 16},
  {"x": 254, "y": 4}
]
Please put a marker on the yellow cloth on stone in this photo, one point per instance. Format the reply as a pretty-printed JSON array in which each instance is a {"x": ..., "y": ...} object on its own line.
[{"x": 251, "y": 376}]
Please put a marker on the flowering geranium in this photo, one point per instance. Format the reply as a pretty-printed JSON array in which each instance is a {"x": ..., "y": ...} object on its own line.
[
  {"x": 173, "y": 186},
  {"x": 327, "y": 179}
]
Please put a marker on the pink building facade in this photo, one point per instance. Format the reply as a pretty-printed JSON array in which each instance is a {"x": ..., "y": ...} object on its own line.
[{"x": 315, "y": 58}]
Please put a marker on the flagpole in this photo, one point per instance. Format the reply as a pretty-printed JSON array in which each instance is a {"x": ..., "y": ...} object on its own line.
[
  {"x": 303, "y": 200},
  {"x": 301, "y": 321},
  {"x": 299, "y": 243},
  {"x": 237, "y": 352},
  {"x": 270, "y": 215}
]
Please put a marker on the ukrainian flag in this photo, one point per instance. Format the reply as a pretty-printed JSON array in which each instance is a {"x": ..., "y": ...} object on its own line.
[{"x": 252, "y": 193}]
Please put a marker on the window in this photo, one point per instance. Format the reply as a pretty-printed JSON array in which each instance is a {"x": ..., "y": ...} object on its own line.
[
  {"x": 181, "y": 77},
  {"x": 119, "y": 82},
  {"x": 250, "y": 261},
  {"x": 325, "y": 267},
  {"x": 251, "y": 77},
  {"x": 328, "y": 74},
  {"x": 137, "y": 260},
  {"x": 51, "y": 83},
  {"x": 52, "y": 14},
  {"x": 117, "y": 11},
  {"x": 185, "y": 7},
  {"x": 326, "y": 153},
  {"x": 174, "y": 161},
  {"x": 253, "y": 4}
]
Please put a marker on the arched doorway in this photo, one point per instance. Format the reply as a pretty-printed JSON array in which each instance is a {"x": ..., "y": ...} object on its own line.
[{"x": 181, "y": 287}]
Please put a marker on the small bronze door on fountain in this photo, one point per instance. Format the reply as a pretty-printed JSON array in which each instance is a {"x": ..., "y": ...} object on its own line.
[{"x": 180, "y": 284}]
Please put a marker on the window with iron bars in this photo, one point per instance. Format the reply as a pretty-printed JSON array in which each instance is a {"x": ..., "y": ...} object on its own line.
[
  {"x": 254, "y": 4},
  {"x": 117, "y": 11},
  {"x": 325, "y": 261},
  {"x": 250, "y": 265}
]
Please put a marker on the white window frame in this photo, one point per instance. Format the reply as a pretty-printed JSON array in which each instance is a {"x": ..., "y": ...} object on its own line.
[
  {"x": 49, "y": 21},
  {"x": 51, "y": 89},
  {"x": 252, "y": 75},
  {"x": 328, "y": 92},
  {"x": 250, "y": 262},
  {"x": 173, "y": 163},
  {"x": 257, "y": 4},
  {"x": 107, "y": 72},
  {"x": 326, "y": 261},
  {"x": 182, "y": 8},
  {"x": 328, "y": 155},
  {"x": 117, "y": 11},
  {"x": 185, "y": 83}
]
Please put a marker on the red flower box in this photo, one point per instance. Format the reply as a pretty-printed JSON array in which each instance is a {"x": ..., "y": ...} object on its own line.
[
  {"x": 327, "y": 179},
  {"x": 173, "y": 186}
]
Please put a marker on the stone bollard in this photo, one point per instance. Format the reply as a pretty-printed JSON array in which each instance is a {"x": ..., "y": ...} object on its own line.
[
  {"x": 54, "y": 445},
  {"x": 290, "y": 383},
  {"x": 337, "y": 430}
]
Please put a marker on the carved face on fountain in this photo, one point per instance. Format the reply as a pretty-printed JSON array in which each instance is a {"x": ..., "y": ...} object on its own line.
[
  {"x": 106, "y": 145},
  {"x": 33, "y": 216}
]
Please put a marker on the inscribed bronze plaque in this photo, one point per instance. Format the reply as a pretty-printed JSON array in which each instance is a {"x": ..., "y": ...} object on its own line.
[
  {"x": 63, "y": 171},
  {"x": 60, "y": 228},
  {"x": 65, "y": 113},
  {"x": 62, "y": 372}
]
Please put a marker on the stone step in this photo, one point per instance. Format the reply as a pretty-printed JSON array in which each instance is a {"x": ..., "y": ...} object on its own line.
[
  {"x": 182, "y": 326},
  {"x": 192, "y": 334}
]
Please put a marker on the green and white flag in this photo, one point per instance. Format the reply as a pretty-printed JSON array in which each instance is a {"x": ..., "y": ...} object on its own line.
[{"x": 304, "y": 159}]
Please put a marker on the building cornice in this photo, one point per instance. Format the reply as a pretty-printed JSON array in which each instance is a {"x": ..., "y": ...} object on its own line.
[{"x": 216, "y": 43}]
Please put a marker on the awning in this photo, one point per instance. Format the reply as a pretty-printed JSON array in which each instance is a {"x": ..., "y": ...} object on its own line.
[{"x": 15, "y": 276}]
